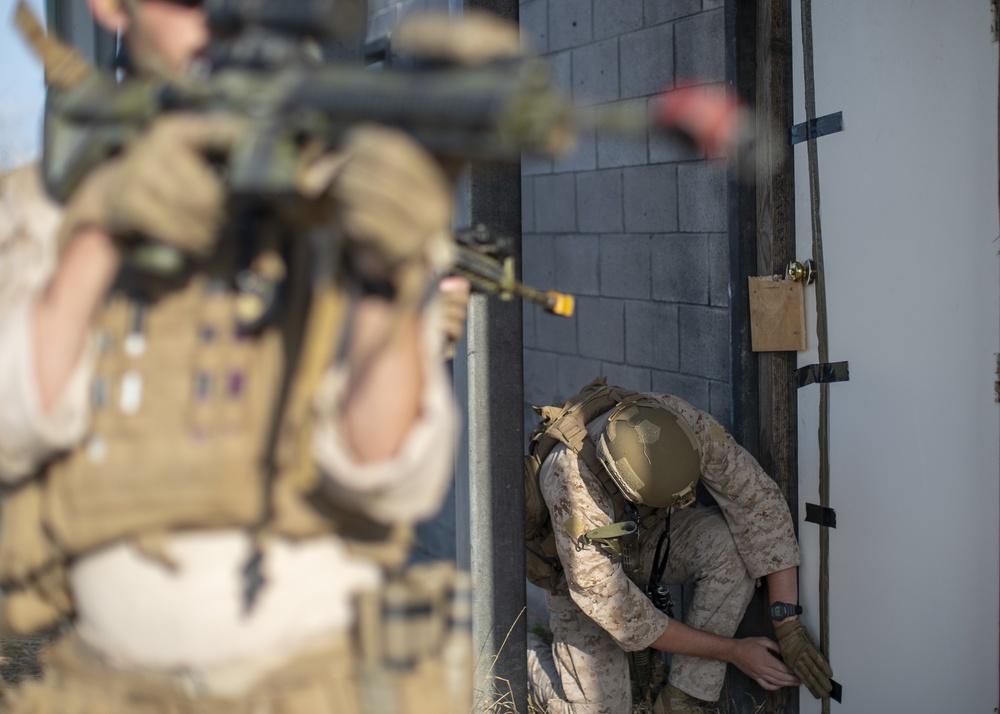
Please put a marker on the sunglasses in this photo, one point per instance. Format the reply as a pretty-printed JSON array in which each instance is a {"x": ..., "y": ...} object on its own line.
[{"x": 187, "y": 3}]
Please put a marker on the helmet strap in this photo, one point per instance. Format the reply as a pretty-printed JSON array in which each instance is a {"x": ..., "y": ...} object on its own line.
[{"x": 660, "y": 566}]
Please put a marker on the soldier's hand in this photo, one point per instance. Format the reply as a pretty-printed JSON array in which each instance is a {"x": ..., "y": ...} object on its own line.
[
  {"x": 454, "y": 292},
  {"x": 472, "y": 39},
  {"x": 395, "y": 206},
  {"x": 802, "y": 655},
  {"x": 755, "y": 657},
  {"x": 162, "y": 186}
]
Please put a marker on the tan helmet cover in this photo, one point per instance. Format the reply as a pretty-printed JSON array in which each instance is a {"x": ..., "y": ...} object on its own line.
[{"x": 651, "y": 453}]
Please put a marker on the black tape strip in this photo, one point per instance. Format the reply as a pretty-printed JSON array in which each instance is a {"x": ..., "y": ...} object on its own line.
[
  {"x": 815, "y": 128},
  {"x": 837, "y": 692},
  {"x": 823, "y": 373},
  {"x": 820, "y": 515}
]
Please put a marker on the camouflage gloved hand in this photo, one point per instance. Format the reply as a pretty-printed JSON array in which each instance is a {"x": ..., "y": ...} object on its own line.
[
  {"x": 395, "y": 205},
  {"x": 161, "y": 187},
  {"x": 801, "y": 654}
]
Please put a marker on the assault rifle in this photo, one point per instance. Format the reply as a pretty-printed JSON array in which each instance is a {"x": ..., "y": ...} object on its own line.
[{"x": 262, "y": 66}]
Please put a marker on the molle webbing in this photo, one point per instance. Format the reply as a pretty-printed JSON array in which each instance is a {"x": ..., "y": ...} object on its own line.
[
  {"x": 568, "y": 425},
  {"x": 183, "y": 403}
]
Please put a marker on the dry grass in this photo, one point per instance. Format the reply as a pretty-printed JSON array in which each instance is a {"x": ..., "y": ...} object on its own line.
[{"x": 20, "y": 657}]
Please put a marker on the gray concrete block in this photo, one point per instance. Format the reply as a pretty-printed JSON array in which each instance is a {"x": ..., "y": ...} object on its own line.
[
  {"x": 705, "y": 341},
  {"x": 570, "y": 23},
  {"x": 584, "y": 156},
  {"x": 382, "y": 21},
  {"x": 595, "y": 72},
  {"x": 703, "y": 203},
  {"x": 527, "y": 205},
  {"x": 651, "y": 330},
  {"x": 599, "y": 201},
  {"x": 721, "y": 394},
  {"x": 647, "y": 61},
  {"x": 625, "y": 269},
  {"x": 626, "y": 376},
  {"x": 575, "y": 373},
  {"x": 658, "y": 11},
  {"x": 617, "y": 149},
  {"x": 616, "y": 17},
  {"x": 535, "y": 164},
  {"x": 555, "y": 203},
  {"x": 534, "y": 21},
  {"x": 538, "y": 260},
  {"x": 700, "y": 42},
  {"x": 556, "y": 334},
  {"x": 650, "y": 196},
  {"x": 694, "y": 390},
  {"x": 712, "y": 4},
  {"x": 680, "y": 269},
  {"x": 718, "y": 270},
  {"x": 602, "y": 328},
  {"x": 561, "y": 66},
  {"x": 577, "y": 264},
  {"x": 528, "y": 310},
  {"x": 539, "y": 377}
]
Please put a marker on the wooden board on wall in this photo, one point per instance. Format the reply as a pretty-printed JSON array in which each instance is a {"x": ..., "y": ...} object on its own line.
[{"x": 777, "y": 315}]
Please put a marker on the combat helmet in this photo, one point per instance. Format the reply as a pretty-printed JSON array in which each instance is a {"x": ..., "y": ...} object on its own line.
[{"x": 651, "y": 453}]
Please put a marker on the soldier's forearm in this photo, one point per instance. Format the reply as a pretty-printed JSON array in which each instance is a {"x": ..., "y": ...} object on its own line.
[
  {"x": 678, "y": 638},
  {"x": 387, "y": 381},
  {"x": 65, "y": 309},
  {"x": 783, "y": 586}
]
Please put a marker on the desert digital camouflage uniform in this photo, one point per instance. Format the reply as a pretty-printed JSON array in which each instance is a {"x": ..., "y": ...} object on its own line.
[{"x": 598, "y": 614}]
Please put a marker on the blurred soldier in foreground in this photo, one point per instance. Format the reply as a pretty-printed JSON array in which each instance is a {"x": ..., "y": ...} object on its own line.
[
  {"x": 617, "y": 471},
  {"x": 210, "y": 555}
]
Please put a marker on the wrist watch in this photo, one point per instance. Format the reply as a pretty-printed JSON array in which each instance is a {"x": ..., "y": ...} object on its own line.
[{"x": 784, "y": 610}]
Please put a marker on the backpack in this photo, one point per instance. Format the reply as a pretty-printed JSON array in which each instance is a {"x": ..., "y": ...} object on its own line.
[{"x": 565, "y": 424}]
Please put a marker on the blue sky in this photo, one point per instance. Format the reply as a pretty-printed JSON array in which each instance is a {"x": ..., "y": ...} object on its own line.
[{"x": 22, "y": 93}]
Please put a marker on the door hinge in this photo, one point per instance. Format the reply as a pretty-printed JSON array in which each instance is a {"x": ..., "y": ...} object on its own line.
[{"x": 995, "y": 19}]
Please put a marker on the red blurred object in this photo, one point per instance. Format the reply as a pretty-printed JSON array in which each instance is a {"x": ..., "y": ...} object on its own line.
[{"x": 712, "y": 117}]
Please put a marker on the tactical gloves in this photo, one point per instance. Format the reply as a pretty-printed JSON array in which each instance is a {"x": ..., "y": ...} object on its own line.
[
  {"x": 394, "y": 204},
  {"x": 801, "y": 654},
  {"x": 162, "y": 187},
  {"x": 474, "y": 39}
]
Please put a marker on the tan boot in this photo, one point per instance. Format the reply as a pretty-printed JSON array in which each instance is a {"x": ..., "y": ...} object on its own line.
[{"x": 674, "y": 701}]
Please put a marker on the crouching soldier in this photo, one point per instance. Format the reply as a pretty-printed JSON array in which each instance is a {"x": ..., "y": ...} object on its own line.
[{"x": 617, "y": 471}]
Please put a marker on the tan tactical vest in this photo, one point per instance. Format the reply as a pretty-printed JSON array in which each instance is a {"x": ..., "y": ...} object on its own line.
[
  {"x": 183, "y": 436},
  {"x": 564, "y": 424}
]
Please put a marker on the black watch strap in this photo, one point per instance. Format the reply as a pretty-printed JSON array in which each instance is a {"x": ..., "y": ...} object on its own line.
[{"x": 784, "y": 610}]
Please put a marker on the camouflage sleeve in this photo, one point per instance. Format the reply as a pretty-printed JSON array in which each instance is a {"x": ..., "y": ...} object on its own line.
[
  {"x": 577, "y": 503},
  {"x": 751, "y": 501},
  {"x": 411, "y": 486},
  {"x": 28, "y": 225}
]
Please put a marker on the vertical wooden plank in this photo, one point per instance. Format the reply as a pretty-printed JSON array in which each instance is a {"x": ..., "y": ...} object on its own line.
[
  {"x": 778, "y": 440},
  {"x": 763, "y": 225}
]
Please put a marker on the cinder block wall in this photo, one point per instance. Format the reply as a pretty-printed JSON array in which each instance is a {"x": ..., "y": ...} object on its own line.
[{"x": 635, "y": 228}]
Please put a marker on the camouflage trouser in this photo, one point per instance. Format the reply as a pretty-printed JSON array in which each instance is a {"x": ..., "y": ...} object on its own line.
[{"x": 587, "y": 673}]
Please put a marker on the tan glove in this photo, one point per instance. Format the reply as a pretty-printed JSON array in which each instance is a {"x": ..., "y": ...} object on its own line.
[
  {"x": 162, "y": 187},
  {"x": 801, "y": 654},
  {"x": 469, "y": 40},
  {"x": 395, "y": 206}
]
